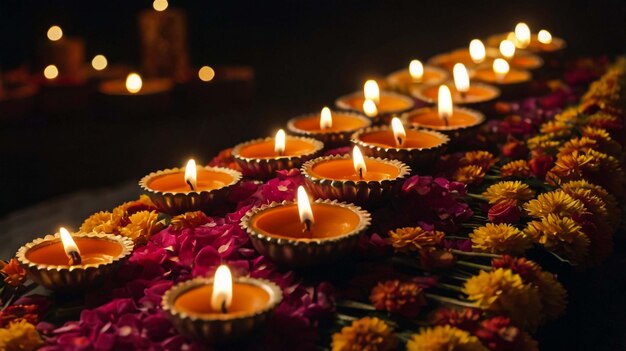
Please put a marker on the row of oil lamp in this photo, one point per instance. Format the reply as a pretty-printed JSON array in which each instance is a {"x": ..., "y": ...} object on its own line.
[{"x": 390, "y": 136}]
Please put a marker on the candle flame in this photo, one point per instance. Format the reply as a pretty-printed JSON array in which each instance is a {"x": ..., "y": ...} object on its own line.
[
  {"x": 461, "y": 78},
  {"x": 507, "y": 49},
  {"x": 399, "y": 133},
  {"x": 369, "y": 108},
  {"x": 191, "y": 174},
  {"x": 222, "y": 295},
  {"x": 544, "y": 37},
  {"x": 500, "y": 68},
  {"x": 416, "y": 70},
  {"x": 371, "y": 91},
  {"x": 444, "y": 103},
  {"x": 304, "y": 209},
  {"x": 133, "y": 83},
  {"x": 70, "y": 247},
  {"x": 279, "y": 142},
  {"x": 99, "y": 62},
  {"x": 206, "y": 73},
  {"x": 477, "y": 51},
  {"x": 160, "y": 5},
  {"x": 55, "y": 33},
  {"x": 359, "y": 162},
  {"x": 522, "y": 34},
  {"x": 51, "y": 72},
  {"x": 326, "y": 118}
]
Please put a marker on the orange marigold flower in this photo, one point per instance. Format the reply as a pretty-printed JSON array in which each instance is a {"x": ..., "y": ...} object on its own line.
[
  {"x": 20, "y": 336},
  {"x": 556, "y": 202},
  {"x": 500, "y": 238},
  {"x": 368, "y": 333},
  {"x": 516, "y": 169},
  {"x": 102, "y": 222},
  {"x": 410, "y": 239},
  {"x": 508, "y": 190},
  {"x": 403, "y": 298},
  {"x": 604, "y": 121},
  {"x": 596, "y": 199},
  {"x": 569, "y": 115},
  {"x": 503, "y": 291},
  {"x": 572, "y": 167},
  {"x": 546, "y": 142},
  {"x": 189, "y": 220},
  {"x": 444, "y": 338},
  {"x": 558, "y": 128},
  {"x": 483, "y": 159},
  {"x": 142, "y": 225},
  {"x": 561, "y": 235},
  {"x": 13, "y": 273},
  {"x": 470, "y": 174}
]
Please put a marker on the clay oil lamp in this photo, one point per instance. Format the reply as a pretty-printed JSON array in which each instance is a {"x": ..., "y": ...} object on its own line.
[
  {"x": 380, "y": 106},
  {"x": 405, "y": 80},
  {"x": 511, "y": 82},
  {"x": 333, "y": 128},
  {"x": 475, "y": 54},
  {"x": 261, "y": 158},
  {"x": 72, "y": 263},
  {"x": 305, "y": 234},
  {"x": 221, "y": 309},
  {"x": 193, "y": 188}
]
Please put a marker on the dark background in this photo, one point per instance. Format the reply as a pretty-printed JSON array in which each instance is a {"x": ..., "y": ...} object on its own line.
[{"x": 305, "y": 54}]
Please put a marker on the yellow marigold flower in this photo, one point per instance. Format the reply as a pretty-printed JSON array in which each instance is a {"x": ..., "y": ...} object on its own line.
[
  {"x": 569, "y": 115},
  {"x": 516, "y": 169},
  {"x": 444, "y": 338},
  {"x": 515, "y": 190},
  {"x": 502, "y": 291},
  {"x": 583, "y": 144},
  {"x": 19, "y": 335},
  {"x": 557, "y": 202},
  {"x": 410, "y": 239},
  {"x": 471, "y": 174},
  {"x": 553, "y": 295},
  {"x": 189, "y": 220},
  {"x": 546, "y": 142},
  {"x": 561, "y": 235},
  {"x": 368, "y": 333},
  {"x": 142, "y": 225},
  {"x": 603, "y": 120},
  {"x": 557, "y": 128},
  {"x": 572, "y": 167},
  {"x": 102, "y": 222},
  {"x": 483, "y": 159},
  {"x": 595, "y": 198},
  {"x": 500, "y": 238}
]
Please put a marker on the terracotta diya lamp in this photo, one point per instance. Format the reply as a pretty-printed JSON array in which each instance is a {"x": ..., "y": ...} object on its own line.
[
  {"x": 519, "y": 59},
  {"x": 380, "y": 106},
  {"x": 456, "y": 122},
  {"x": 353, "y": 179},
  {"x": 476, "y": 95},
  {"x": 261, "y": 158},
  {"x": 541, "y": 43},
  {"x": 511, "y": 82},
  {"x": 333, "y": 128},
  {"x": 416, "y": 75},
  {"x": 305, "y": 234},
  {"x": 415, "y": 147},
  {"x": 221, "y": 309},
  {"x": 65, "y": 262},
  {"x": 471, "y": 56},
  {"x": 135, "y": 96},
  {"x": 193, "y": 188}
]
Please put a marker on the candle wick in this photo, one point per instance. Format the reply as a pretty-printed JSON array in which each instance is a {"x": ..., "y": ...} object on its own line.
[
  {"x": 361, "y": 172},
  {"x": 400, "y": 141},
  {"x": 224, "y": 308},
  {"x": 307, "y": 225},
  {"x": 190, "y": 185},
  {"x": 463, "y": 95},
  {"x": 445, "y": 119},
  {"x": 74, "y": 258}
]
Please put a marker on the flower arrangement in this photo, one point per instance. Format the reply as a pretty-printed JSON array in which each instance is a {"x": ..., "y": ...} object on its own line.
[{"x": 442, "y": 266}]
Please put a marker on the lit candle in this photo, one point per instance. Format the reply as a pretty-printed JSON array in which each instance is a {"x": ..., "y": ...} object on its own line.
[
  {"x": 399, "y": 134},
  {"x": 304, "y": 209},
  {"x": 507, "y": 49},
  {"x": 333, "y": 128},
  {"x": 133, "y": 83},
  {"x": 461, "y": 79},
  {"x": 99, "y": 62},
  {"x": 326, "y": 119},
  {"x": 191, "y": 174},
  {"x": 544, "y": 37},
  {"x": 416, "y": 70},
  {"x": 444, "y": 104},
  {"x": 477, "y": 51},
  {"x": 522, "y": 35},
  {"x": 55, "y": 33},
  {"x": 70, "y": 262},
  {"x": 371, "y": 91},
  {"x": 359, "y": 163},
  {"x": 51, "y": 72},
  {"x": 279, "y": 142},
  {"x": 222, "y": 309},
  {"x": 500, "y": 68},
  {"x": 369, "y": 108}
]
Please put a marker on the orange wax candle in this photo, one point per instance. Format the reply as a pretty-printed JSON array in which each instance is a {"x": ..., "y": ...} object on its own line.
[
  {"x": 388, "y": 102},
  {"x": 343, "y": 169},
  {"x": 247, "y": 299},
  {"x": 403, "y": 77},
  {"x": 92, "y": 251},
  {"x": 415, "y": 139},
  {"x": 429, "y": 118},
  {"x": 264, "y": 149},
  {"x": 148, "y": 87},
  {"x": 514, "y": 76},
  {"x": 340, "y": 122},
  {"x": 476, "y": 93},
  {"x": 284, "y": 222},
  {"x": 175, "y": 182}
]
